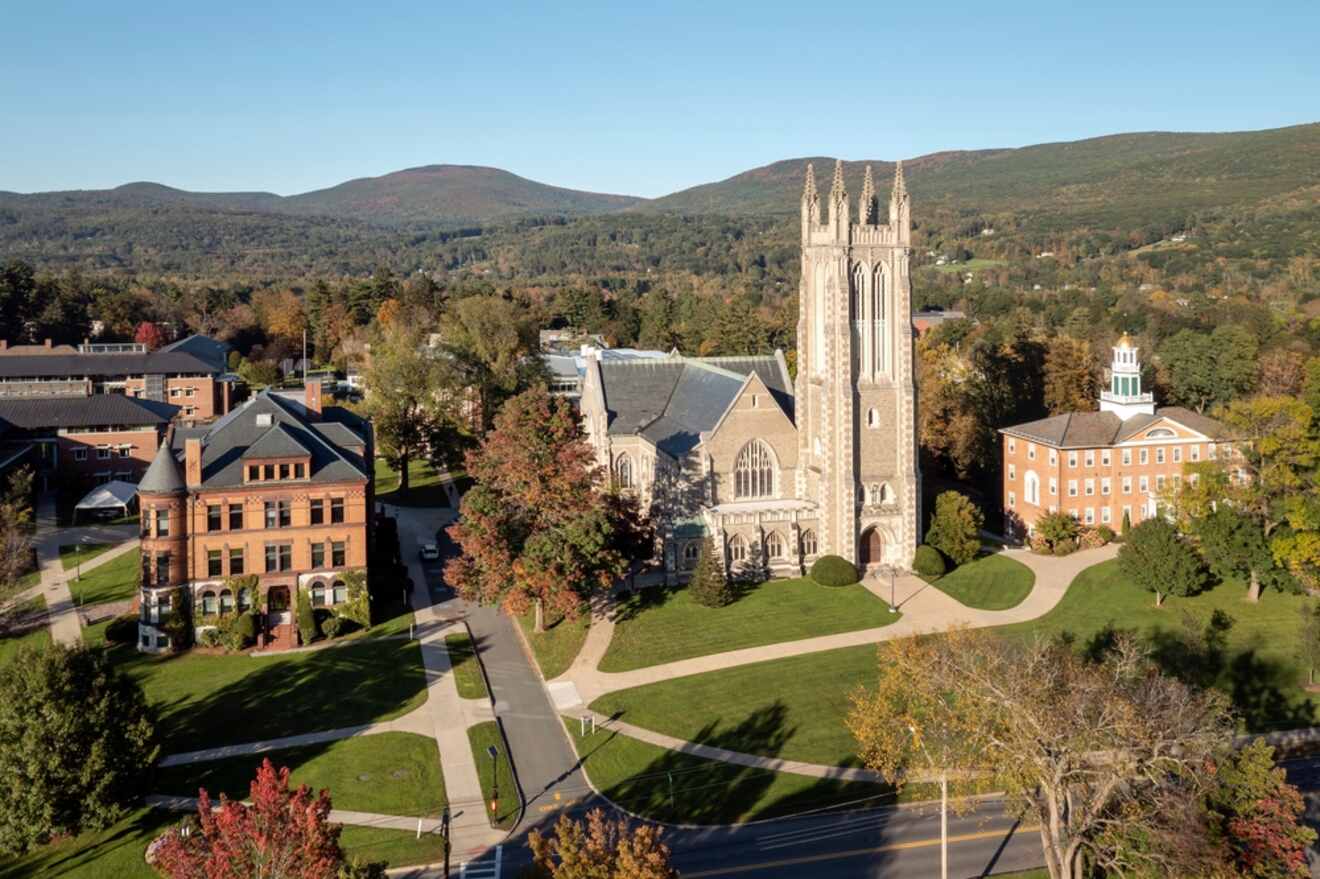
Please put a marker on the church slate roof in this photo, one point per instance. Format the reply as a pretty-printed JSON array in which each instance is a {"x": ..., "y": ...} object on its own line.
[
  {"x": 1094, "y": 429},
  {"x": 672, "y": 401},
  {"x": 226, "y": 440}
]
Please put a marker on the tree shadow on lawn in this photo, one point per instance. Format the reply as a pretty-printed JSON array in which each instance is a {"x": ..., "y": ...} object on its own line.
[
  {"x": 1258, "y": 686},
  {"x": 336, "y": 687},
  {"x": 643, "y": 598},
  {"x": 67, "y": 856}
]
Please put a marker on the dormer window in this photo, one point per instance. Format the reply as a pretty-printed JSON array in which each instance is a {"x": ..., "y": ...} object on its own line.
[{"x": 278, "y": 471}]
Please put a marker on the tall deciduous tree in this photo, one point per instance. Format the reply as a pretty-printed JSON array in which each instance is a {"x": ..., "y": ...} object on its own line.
[
  {"x": 491, "y": 343},
  {"x": 76, "y": 739},
  {"x": 1156, "y": 556},
  {"x": 283, "y": 834},
  {"x": 1091, "y": 751},
  {"x": 1071, "y": 381},
  {"x": 1208, "y": 369},
  {"x": 281, "y": 314},
  {"x": 1258, "y": 815},
  {"x": 600, "y": 849},
  {"x": 540, "y": 526},
  {"x": 15, "y": 538},
  {"x": 955, "y": 529}
]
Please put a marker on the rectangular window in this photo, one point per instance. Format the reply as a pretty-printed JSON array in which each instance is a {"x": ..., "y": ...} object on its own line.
[
  {"x": 1104, "y": 458},
  {"x": 235, "y": 561},
  {"x": 235, "y": 517},
  {"x": 188, "y": 410},
  {"x": 212, "y": 517},
  {"x": 1090, "y": 515},
  {"x": 174, "y": 392},
  {"x": 102, "y": 453},
  {"x": 162, "y": 568},
  {"x": 318, "y": 555},
  {"x": 284, "y": 471},
  {"x": 1194, "y": 453},
  {"x": 1144, "y": 485},
  {"x": 1143, "y": 456},
  {"x": 1159, "y": 483},
  {"x": 286, "y": 556},
  {"x": 279, "y": 557},
  {"x": 1090, "y": 487},
  {"x": 1090, "y": 459},
  {"x": 337, "y": 553},
  {"x": 1072, "y": 488},
  {"x": 1054, "y": 458},
  {"x": 80, "y": 454},
  {"x": 298, "y": 471},
  {"x": 1104, "y": 515},
  {"x": 1012, "y": 472},
  {"x": 1072, "y": 459},
  {"x": 1127, "y": 485},
  {"x": 1012, "y": 445},
  {"x": 316, "y": 510},
  {"x": 1177, "y": 454},
  {"x": 125, "y": 451},
  {"x": 190, "y": 392},
  {"x": 1012, "y": 500},
  {"x": 285, "y": 519},
  {"x": 272, "y": 557},
  {"x": 272, "y": 518},
  {"x": 1127, "y": 457},
  {"x": 214, "y": 561},
  {"x": 1127, "y": 512},
  {"x": 254, "y": 473},
  {"x": 1159, "y": 455},
  {"x": 336, "y": 509},
  {"x": 1104, "y": 486},
  {"x": 162, "y": 523},
  {"x": 1054, "y": 486},
  {"x": 1031, "y": 451},
  {"x": 268, "y": 471}
]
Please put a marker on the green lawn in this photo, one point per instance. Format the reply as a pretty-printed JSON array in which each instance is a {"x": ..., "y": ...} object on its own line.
[
  {"x": 467, "y": 668},
  {"x": 115, "y": 580},
  {"x": 208, "y": 700},
  {"x": 794, "y": 707},
  {"x": 481, "y": 737},
  {"x": 116, "y": 853},
  {"x": 642, "y": 778},
  {"x": 73, "y": 553},
  {"x": 661, "y": 625},
  {"x": 391, "y": 773},
  {"x": 426, "y": 487},
  {"x": 556, "y": 647},
  {"x": 39, "y": 636},
  {"x": 991, "y": 582}
]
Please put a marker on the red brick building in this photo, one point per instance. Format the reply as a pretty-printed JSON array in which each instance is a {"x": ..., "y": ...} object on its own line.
[
  {"x": 277, "y": 495},
  {"x": 1102, "y": 465}
]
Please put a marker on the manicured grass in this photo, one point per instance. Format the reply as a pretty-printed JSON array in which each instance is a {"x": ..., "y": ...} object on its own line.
[
  {"x": 73, "y": 553},
  {"x": 661, "y": 625},
  {"x": 115, "y": 580},
  {"x": 482, "y": 736},
  {"x": 27, "y": 581},
  {"x": 991, "y": 582},
  {"x": 39, "y": 636},
  {"x": 391, "y": 773},
  {"x": 467, "y": 668},
  {"x": 642, "y": 778},
  {"x": 426, "y": 487},
  {"x": 794, "y": 707},
  {"x": 560, "y": 643},
  {"x": 116, "y": 853},
  {"x": 208, "y": 700}
]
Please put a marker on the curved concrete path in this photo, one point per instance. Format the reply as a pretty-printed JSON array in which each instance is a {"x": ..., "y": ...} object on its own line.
[{"x": 925, "y": 610}]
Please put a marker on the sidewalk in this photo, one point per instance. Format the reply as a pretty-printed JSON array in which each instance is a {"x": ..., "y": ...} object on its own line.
[
  {"x": 414, "y": 722},
  {"x": 338, "y": 816}
]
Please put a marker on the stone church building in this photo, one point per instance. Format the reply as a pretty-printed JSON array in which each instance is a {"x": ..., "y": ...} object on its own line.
[{"x": 779, "y": 469}]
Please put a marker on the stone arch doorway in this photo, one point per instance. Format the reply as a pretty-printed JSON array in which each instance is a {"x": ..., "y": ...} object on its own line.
[{"x": 870, "y": 548}]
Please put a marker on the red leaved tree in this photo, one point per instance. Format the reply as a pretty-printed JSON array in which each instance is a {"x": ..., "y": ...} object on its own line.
[
  {"x": 540, "y": 526},
  {"x": 283, "y": 834},
  {"x": 149, "y": 334}
]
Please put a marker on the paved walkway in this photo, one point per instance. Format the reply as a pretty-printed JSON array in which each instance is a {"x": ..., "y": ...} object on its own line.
[
  {"x": 418, "y": 721},
  {"x": 925, "y": 609},
  {"x": 338, "y": 816}
]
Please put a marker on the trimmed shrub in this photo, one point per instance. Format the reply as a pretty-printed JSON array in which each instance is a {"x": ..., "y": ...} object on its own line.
[
  {"x": 209, "y": 638},
  {"x": 831, "y": 570},
  {"x": 246, "y": 626},
  {"x": 708, "y": 586},
  {"x": 1126, "y": 527},
  {"x": 1052, "y": 529},
  {"x": 928, "y": 562},
  {"x": 1106, "y": 533},
  {"x": 1090, "y": 538},
  {"x": 1067, "y": 546},
  {"x": 306, "y": 620},
  {"x": 330, "y": 627},
  {"x": 122, "y": 629}
]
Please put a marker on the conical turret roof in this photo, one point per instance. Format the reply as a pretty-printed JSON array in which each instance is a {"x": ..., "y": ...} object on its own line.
[{"x": 163, "y": 476}]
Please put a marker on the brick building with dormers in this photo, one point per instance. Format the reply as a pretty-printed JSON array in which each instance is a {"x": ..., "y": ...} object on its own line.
[
  {"x": 1102, "y": 465},
  {"x": 278, "y": 491}
]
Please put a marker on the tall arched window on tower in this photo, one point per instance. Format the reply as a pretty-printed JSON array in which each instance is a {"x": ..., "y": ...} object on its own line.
[
  {"x": 818, "y": 317},
  {"x": 623, "y": 471},
  {"x": 754, "y": 471},
  {"x": 860, "y": 356},
  {"x": 879, "y": 323}
]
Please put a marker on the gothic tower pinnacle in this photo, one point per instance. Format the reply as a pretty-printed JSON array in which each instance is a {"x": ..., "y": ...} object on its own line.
[
  {"x": 810, "y": 200},
  {"x": 839, "y": 201},
  {"x": 866, "y": 212},
  {"x": 900, "y": 215}
]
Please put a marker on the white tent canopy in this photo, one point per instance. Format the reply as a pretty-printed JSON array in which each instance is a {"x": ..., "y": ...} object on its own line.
[{"x": 109, "y": 496}]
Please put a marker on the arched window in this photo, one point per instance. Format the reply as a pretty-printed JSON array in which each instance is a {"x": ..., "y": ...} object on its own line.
[
  {"x": 1031, "y": 484},
  {"x": 818, "y": 318},
  {"x": 226, "y": 601},
  {"x": 872, "y": 418},
  {"x": 879, "y": 325},
  {"x": 623, "y": 470},
  {"x": 859, "y": 318},
  {"x": 737, "y": 549},
  {"x": 808, "y": 542},
  {"x": 754, "y": 471},
  {"x": 886, "y": 493},
  {"x": 208, "y": 602},
  {"x": 1160, "y": 432},
  {"x": 774, "y": 546},
  {"x": 691, "y": 552},
  {"x": 340, "y": 592},
  {"x": 318, "y": 594}
]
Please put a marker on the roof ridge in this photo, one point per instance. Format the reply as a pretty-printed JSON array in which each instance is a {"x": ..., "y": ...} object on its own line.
[
  {"x": 314, "y": 434},
  {"x": 664, "y": 410},
  {"x": 718, "y": 370}
]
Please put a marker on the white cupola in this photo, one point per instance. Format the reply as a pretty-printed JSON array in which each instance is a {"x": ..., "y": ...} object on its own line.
[{"x": 1123, "y": 397}]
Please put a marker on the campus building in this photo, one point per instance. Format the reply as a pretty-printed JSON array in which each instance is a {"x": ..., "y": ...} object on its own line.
[
  {"x": 1103, "y": 465},
  {"x": 777, "y": 469},
  {"x": 270, "y": 501}
]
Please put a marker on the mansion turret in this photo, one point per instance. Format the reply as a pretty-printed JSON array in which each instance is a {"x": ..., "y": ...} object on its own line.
[{"x": 780, "y": 469}]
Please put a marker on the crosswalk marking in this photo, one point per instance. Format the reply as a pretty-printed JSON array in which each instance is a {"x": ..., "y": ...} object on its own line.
[{"x": 483, "y": 869}]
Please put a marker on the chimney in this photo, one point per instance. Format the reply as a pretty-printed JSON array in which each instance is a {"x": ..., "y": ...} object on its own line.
[
  {"x": 48, "y": 343},
  {"x": 192, "y": 461},
  {"x": 4, "y": 344},
  {"x": 312, "y": 397}
]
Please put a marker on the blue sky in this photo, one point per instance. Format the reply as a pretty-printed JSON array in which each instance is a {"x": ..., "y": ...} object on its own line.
[{"x": 617, "y": 97}]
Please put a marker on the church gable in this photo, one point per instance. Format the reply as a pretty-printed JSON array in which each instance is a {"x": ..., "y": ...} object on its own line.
[{"x": 753, "y": 415}]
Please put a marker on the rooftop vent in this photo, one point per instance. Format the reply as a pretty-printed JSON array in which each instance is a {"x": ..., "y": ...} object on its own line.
[{"x": 263, "y": 419}]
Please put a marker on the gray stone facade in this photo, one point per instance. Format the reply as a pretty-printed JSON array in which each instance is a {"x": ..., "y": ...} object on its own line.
[{"x": 779, "y": 471}]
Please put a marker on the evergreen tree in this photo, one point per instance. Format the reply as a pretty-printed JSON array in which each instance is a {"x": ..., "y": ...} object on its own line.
[
  {"x": 955, "y": 529},
  {"x": 709, "y": 587}
]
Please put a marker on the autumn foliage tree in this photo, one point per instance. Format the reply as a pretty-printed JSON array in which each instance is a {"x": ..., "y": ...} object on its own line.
[
  {"x": 1071, "y": 381},
  {"x": 540, "y": 527},
  {"x": 1257, "y": 814},
  {"x": 149, "y": 334},
  {"x": 600, "y": 849},
  {"x": 282, "y": 834}
]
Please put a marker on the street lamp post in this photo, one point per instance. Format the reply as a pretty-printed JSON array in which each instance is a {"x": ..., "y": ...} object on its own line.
[
  {"x": 944, "y": 807},
  {"x": 494, "y": 753}
]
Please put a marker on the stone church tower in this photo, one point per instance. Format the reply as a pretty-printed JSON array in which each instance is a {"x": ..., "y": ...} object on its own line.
[{"x": 855, "y": 388}]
